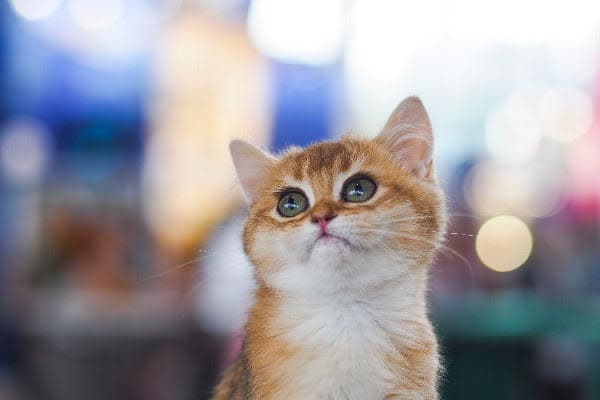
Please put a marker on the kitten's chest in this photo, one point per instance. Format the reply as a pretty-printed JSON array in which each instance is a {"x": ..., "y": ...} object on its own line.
[{"x": 344, "y": 349}]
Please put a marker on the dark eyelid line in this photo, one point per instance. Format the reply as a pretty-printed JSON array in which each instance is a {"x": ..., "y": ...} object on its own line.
[
  {"x": 361, "y": 175},
  {"x": 288, "y": 189}
]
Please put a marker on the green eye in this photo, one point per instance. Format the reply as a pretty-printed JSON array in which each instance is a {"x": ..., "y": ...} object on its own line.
[
  {"x": 292, "y": 203},
  {"x": 359, "y": 189}
]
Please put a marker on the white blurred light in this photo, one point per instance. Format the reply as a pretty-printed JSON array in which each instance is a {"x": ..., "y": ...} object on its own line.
[
  {"x": 107, "y": 34},
  {"x": 113, "y": 48},
  {"x": 187, "y": 176},
  {"x": 512, "y": 129},
  {"x": 308, "y": 31},
  {"x": 566, "y": 113},
  {"x": 396, "y": 47},
  {"x": 385, "y": 41},
  {"x": 34, "y": 9},
  {"x": 92, "y": 15},
  {"x": 24, "y": 151},
  {"x": 226, "y": 281},
  {"x": 525, "y": 23},
  {"x": 222, "y": 9},
  {"x": 504, "y": 243},
  {"x": 386, "y": 34},
  {"x": 532, "y": 191},
  {"x": 152, "y": 12}
]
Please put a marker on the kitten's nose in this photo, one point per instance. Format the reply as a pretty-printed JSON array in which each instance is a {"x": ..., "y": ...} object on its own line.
[{"x": 323, "y": 218}]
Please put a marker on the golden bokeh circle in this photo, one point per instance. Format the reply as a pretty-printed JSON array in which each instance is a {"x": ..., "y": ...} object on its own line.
[{"x": 504, "y": 243}]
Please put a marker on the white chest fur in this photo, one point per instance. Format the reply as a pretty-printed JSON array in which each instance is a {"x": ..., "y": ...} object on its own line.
[
  {"x": 343, "y": 354},
  {"x": 345, "y": 337}
]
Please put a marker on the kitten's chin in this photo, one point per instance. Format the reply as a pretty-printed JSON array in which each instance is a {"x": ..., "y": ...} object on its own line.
[{"x": 329, "y": 248}]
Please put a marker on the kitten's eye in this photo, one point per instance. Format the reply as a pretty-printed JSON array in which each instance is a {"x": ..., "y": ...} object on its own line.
[
  {"x": 292, "y": 203},
  {"x": 359, "y": 189}
]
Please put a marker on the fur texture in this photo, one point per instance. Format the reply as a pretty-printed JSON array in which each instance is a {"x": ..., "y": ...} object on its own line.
[{"x": 342, "y": 316}]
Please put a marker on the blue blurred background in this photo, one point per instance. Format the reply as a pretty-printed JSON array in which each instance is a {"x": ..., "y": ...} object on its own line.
[{"x": 121, "y": 270}]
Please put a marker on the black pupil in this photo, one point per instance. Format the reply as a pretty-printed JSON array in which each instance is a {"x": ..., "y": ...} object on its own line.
[
  {"x": 357, "y": 190},
  {"x": 291, "y": 203}
]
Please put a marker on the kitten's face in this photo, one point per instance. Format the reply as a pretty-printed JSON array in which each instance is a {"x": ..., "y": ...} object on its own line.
[
  {"x": 334, "y": 203},
  {"x": 340, "y": 221}
]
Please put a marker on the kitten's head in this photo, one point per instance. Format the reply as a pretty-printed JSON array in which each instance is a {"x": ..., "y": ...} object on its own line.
[{"x": 338, "y": 205}]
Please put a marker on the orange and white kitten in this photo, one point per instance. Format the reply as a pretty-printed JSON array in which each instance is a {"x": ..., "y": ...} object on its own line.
[{"x": 341, "y": 235}]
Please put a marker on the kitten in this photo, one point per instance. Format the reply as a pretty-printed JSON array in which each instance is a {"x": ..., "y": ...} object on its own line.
[{"x": 341, "y": 235}]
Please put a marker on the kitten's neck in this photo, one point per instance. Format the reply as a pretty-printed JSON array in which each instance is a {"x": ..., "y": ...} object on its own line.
[
  {"x": 381, "y": 282},
  {"x": 362, "y": 275}
]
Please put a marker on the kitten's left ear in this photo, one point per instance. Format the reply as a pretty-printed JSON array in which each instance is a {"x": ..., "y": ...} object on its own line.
[
  {"x": 408, "y": 135},
  {"x": 251, "y": 164}
]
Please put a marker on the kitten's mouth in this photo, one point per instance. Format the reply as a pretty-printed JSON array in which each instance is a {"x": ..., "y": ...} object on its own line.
[{"x": 328, "y": 238}]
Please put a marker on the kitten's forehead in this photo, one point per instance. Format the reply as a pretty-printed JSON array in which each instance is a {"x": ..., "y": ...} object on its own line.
[{"x": 319, "y": 163}]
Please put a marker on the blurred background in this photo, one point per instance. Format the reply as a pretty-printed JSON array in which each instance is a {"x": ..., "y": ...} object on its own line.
[{"x": 121, "y": 270}]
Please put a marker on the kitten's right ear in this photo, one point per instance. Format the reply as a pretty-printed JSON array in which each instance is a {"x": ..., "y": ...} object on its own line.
[
  {"x": 251, "y": 164},
  {"x": 408, "y": 136}
]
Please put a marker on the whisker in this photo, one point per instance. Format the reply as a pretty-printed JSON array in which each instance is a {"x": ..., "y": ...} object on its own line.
[
  {"x": 460, "y": 257},
  {"x": 444, "y": 247},
  {"x": 178, "y": 267},
  {"x": 463, "y": 215},
  {"x": 461, "y": 234}
]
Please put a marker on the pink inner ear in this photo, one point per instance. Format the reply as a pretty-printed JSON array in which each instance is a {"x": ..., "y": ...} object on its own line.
[
  {"x": 414, "y": 153},
  {"x": 251, "y": 164},
  {"x": 407, "y": 134}
]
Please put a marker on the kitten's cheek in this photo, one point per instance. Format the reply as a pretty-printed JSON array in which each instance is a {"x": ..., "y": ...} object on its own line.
[{"x": 289, "y": 245}]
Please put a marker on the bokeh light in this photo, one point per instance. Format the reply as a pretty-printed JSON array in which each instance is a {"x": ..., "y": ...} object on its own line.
[
  {"x": 309, "y": 31},
  {"x": 92, "y": 15},
  {"x": 199, "y": 63},
  {"x": 34, "y": 9},
  {"x": 373, "y": 25},
  {"x": 107, "y": 35},
  {"x": 584, "y": 166},
  {"x": 504, "y": 243},
  {"x": 560, "y": 23},
  {"x": 512, "y": 130},
  {"x": 566, "y": 113},
  {"x": 534, "y": 190},
  {"x": 515, "y": 127},
  {"x": 24, "y": 150},
  {"x": 153, "y": 12}
]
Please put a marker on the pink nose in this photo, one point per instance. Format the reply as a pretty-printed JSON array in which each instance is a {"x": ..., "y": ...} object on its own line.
[{"x": 323, "y": 220}]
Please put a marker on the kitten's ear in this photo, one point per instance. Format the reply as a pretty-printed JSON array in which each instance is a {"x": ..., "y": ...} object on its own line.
[
  {"x": 408, "y": 135},
  {"x": 251, "y": 164}
]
